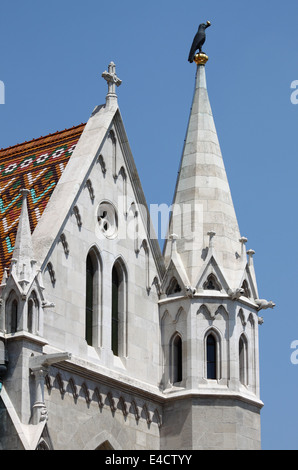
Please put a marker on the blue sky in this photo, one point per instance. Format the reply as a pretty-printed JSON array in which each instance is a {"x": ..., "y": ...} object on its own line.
[{"x": 52, "y": 56}]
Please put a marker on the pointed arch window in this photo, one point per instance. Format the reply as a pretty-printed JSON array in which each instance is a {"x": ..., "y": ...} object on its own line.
[
  {"x": 14, "y": 316},
  {"x": 89, "y": 299},
  {"x": 30, "y": 316},
  {"x": 118, "y": 313},
  {"x": 32, "y": 313},
  {"x": 11, "y": 313},
  {"x": 176, "y": 358},
  {"x": 243, "y": 360},
  {"x": 212, "y": 357},
  {"x": 93, "y": 298},
  {"x": 115, "y": 311}
]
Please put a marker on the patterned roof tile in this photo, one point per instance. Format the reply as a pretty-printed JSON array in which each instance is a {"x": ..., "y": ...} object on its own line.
[{"x": 37, "y": 166}]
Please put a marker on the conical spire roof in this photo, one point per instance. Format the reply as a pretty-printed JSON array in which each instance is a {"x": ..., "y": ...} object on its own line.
[
  {"x": 23, "y": 249},
  {"x": 203, "y": 206}
]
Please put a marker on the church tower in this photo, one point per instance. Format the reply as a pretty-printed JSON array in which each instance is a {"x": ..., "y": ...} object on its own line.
[
  {"x": 105, "y": 342},
  {"x": 209, "y": 310}
]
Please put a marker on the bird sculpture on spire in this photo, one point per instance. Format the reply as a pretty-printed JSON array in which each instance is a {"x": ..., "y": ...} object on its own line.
[{"x": 198, "y": 41}]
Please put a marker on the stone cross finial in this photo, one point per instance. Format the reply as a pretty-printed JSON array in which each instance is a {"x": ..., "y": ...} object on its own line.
[{"x": 112, "y": 81}]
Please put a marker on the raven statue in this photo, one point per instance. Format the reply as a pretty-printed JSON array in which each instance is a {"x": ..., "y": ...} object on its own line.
[{"x": 198, "y": 41}]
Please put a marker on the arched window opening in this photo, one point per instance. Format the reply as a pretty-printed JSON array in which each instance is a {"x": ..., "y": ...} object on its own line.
[
  {"x": 32, "y": 313},
  {"x": 118, "y": 313},
  {"x": 243, "y": 361},
  {"x": 93, "y": 298},
  {"x": 30, "y": 316},
  {"x": 177, "y": 358},
  {"x": 90, "y": 272},
  {"x": 211, "y": 357},
  {"x": 11, "y": 313},
  {"x": 14, "y": 317},
  {"x": 115, "y": 312}
]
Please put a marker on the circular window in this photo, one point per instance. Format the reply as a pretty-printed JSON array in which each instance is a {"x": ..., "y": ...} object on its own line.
[{"x": 107, "y": 219}]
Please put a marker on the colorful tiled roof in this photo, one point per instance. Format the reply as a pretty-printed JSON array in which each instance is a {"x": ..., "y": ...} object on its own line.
[{"x": 37, "y": 166}]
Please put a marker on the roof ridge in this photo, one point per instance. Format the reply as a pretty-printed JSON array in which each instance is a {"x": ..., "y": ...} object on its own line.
[{"x": 41, "y": 137}]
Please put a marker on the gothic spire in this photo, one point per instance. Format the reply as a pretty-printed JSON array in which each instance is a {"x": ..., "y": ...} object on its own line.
[
  {"x": 202, "y": 200},
  {"x": 23, "y": 250}
]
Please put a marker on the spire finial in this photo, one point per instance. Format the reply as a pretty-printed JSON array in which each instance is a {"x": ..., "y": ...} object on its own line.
[
  {"x": 112, "y": 81},
  {"x": 200, "y": 58}
]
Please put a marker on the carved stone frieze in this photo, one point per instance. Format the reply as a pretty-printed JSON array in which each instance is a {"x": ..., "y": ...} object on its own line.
[{"x": 104, "y": 397}]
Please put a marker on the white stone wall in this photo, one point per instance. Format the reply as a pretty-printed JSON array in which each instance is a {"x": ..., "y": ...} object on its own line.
[
  {"x": 64, "y": 325},
  {"x": 210, "y": 423},
  {"x": 85, "y": 414},
  {"x": 194, "y": 319}
]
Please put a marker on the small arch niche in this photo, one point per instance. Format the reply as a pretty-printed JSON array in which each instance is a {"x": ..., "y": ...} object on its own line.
[
  {"x": 173, "y": 287},
  {"x": 246, "y": 289},
  {"x": 211, "y": 283}
]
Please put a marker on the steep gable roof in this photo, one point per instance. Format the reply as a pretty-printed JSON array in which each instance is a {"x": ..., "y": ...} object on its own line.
[
  {"x": 73, "y": 180},
  {"x": 36, "y": 165}
]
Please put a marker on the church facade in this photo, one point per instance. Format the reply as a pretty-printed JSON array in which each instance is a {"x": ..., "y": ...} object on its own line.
[{"x": 105, "y": 341}]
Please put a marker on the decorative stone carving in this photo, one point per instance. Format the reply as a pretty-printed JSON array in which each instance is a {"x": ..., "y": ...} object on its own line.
[
  {"x": 102, "y": 165},
  {"x": 264, "y": 304},
  {"x": 73, "y": 388},
  {"x": 39, "y": 368},
  {"x": 235, "y": 294},
  {"x": 107, "y": 219},
  {"x": 64, "y": 243},
  {"x": 190, "y": 291},
  {"x": 90, "y": 189},
  {"x": 77, "y": 216},
  {"x": 51, "y": 272},
  {"x": 126, "y": 405},
  {"x": 99, "y": 399},
  {"x": 123, "y": 406},
  {"x": 111, "y": 402},
  {"x": 86, "y": 393}
]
